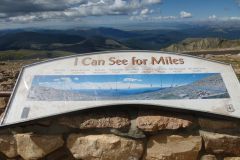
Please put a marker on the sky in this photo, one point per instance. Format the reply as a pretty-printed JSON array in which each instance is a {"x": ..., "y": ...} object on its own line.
[
  {"x": 93, "y": 13},
  {"x": 140, "y": 81}
]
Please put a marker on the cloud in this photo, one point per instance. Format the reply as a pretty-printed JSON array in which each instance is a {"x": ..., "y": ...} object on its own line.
[
  {"x": 144, "y": 11},
  {"x": 184, "y": 14},
  {"x": 91, "y": 85},
  {"x": 56, "y": 80},
  {"x": 135, "y": 12},
  {"x": 66, "y": 80},
  {"x": 26, "y": 18},
  {"x": 165, "y": 17},
  {"x": 68, "y": 84},
  {"x": 2, "y": 15},
  {"x": 144, "y": 15},
  {"x": 37, "y": 10},
  {"x": 141, "y": 15},
  {"x": 152, "y": 1},
  {"x": 212, "y": 16},
  {"x": 234, "y": 18},
  {"x": 76, "y": 78},
  {"x": 131, "y": 80},
  {"x": 152, "y": 18}
]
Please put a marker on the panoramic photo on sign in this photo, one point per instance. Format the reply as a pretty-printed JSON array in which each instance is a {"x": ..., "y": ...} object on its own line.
[{"x": 123, "y": 77}]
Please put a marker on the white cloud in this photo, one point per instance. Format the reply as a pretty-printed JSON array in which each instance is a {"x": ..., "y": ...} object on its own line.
[
  {"x": 134, "y": 12},
  {"x": 144, "y": 11},
  {"x": 119, "y": 5},
  {"x": 131, "y": 80},
  {"x": 141, "y": 15},
  {"x": 68, "y": 84},
  {"x": 152, "y": 1},
  {"x": 212, "y": 16},
  {"x": 76, "y": 78},
  {"x": 37, "y": 16},
  {"x": 151, "y": 11},
  {"x": 2, "y": 15},
  {"x": 234, "y": 18},
  {"x": 74, "y": 9},
  {"x": 184, "y": 14},
  {"x": 165, "y": 17},
  {"x": 56, "y": 80},
  {"x": 66, "y": 80},
  {"x": 26, "y": 18},
  {"x": 153, "y": 18}
]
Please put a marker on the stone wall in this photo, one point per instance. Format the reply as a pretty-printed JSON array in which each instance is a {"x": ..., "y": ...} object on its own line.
[{"x": 123, "y": 133}]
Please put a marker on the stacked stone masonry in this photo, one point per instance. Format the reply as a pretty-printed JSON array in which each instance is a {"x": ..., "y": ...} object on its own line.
[{"x": 126, "y": 133}]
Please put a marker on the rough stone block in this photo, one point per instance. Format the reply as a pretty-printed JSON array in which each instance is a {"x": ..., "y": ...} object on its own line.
[
  {"x": 8, "y": 146},
  {"x": 232, "y": 158},
  {"x": 151, "y": 121},
  {"x": 169, "y": 147},
  {"x": 97, "y": 119},
  {"x": 104, "y": 147},
  {"x": 32, "y": 147},
  {"x": 222, "y": 144}
]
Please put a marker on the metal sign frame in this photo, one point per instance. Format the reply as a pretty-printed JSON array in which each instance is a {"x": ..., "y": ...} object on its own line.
[{"x": 106, "y": 52}]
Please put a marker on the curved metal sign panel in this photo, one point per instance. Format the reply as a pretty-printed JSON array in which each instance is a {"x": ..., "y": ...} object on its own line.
[{"x": 123, "y": 77}]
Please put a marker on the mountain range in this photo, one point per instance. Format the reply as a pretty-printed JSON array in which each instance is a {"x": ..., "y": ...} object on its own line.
[
  {"x": 204, "y": 44},
  {"x": 99, "y": 39}
]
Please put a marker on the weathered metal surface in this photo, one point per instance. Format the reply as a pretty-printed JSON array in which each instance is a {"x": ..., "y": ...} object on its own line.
[{"x": 123, "y": 77}]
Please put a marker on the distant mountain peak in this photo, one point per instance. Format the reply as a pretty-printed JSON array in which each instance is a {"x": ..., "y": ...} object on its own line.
[{"x": 203, "y": 44}]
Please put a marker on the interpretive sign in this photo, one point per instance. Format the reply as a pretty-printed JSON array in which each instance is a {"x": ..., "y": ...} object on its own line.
[{"x": 123, "y": 77}]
